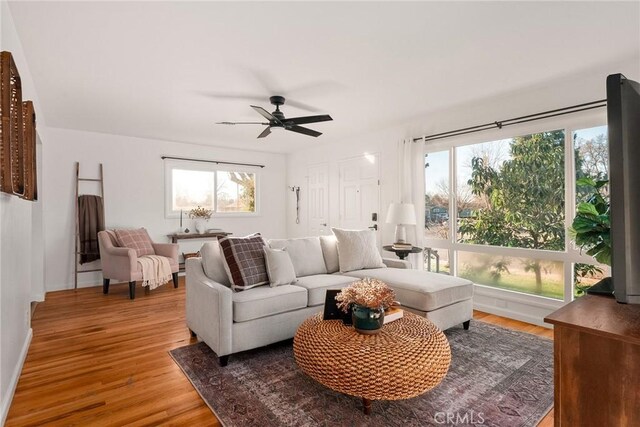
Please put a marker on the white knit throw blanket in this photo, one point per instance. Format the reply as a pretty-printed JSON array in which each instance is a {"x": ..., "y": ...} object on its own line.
[{"x": 156, "y": 270}]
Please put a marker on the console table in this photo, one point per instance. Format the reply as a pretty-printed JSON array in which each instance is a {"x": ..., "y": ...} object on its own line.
[
  {"x": 188, "y": 236},
  {"x": 185, "y": 236},
  {"x": 596, "y": 359}
]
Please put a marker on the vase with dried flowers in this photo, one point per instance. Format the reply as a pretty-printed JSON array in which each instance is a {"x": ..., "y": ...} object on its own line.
[
  {"x": 367, "y": 299},
  {"x": 201, "y": 215}
]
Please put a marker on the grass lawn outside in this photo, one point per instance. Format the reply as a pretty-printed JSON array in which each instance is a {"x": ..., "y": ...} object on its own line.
[{"x": 518, "y": 281}]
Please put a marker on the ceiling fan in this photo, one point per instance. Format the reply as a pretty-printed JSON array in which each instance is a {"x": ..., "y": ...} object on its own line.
[{"x": 277, "y": 120}]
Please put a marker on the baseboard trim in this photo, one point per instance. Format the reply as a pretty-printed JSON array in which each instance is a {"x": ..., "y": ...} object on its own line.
[
  {"x": 8, "y": 398},
  {"x": 523, "y": 317},
  {"x": 39, "y": 297},
  {"x": 81, "y": 285}
]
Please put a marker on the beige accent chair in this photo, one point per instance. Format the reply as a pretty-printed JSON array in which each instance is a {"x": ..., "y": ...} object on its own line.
[{"x": 121, "y": 264}]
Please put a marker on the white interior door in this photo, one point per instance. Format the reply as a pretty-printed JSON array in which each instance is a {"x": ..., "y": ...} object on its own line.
[
  {"x": 319, "y": 200},
  {"x": 360, "y": 192}
]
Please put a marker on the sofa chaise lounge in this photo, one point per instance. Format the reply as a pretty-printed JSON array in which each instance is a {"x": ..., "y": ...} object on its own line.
[{"x": 230, "y": 322}]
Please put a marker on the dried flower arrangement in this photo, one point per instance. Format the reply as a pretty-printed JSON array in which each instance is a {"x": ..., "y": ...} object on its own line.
[
  {"x": 200, "y": 212},
  {"x": 368, "y": 292}
]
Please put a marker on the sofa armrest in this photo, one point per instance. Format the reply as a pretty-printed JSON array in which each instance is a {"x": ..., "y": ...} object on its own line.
[
  {"x": 169, "y": 250},
  {"x": 396, "y": 263},
  {"x": 209, "y": 308}
]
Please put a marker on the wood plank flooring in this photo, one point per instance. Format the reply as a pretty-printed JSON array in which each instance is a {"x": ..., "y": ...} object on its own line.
[{"x": 102, "y": 360}]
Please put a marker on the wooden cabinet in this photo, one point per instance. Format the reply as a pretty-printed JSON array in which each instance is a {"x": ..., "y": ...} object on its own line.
[{"x": 596, "y": 363}]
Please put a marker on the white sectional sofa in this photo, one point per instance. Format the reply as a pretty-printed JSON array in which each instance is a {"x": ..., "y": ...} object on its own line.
[{"x": 230, "y": 322}]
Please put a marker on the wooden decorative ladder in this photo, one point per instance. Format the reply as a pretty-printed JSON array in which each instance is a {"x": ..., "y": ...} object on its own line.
[{"x": 77, "y": 251}]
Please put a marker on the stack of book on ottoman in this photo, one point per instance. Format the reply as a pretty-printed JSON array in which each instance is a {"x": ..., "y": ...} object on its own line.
[{"x": 392, "y": 313}]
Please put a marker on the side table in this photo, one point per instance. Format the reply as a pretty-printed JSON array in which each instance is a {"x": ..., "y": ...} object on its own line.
[{"x": 402, "y": 253}]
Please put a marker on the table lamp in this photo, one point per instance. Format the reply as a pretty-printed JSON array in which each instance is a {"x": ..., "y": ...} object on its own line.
[{"x": 401, "y": 214}]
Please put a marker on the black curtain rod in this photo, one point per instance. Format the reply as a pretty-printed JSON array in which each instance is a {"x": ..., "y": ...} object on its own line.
[
  {"x": 218, "y": 162},
  {"x": 516, "y": 120}
]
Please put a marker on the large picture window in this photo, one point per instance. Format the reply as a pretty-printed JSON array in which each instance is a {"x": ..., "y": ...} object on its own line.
[
  {"x": 505, "y": 223},
  {"x": 222, "y": 191}
]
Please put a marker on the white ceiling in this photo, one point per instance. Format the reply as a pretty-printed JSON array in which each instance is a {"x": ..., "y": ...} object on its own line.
[{"x": 169, "y": 70}]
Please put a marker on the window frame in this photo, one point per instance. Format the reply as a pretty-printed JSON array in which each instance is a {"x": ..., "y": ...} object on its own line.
[
  {"x": 170, "y": 165},
  {"x": 571, "y": 254}
]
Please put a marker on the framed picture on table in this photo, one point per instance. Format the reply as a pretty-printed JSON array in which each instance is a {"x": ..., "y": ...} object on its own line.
[{"x": 331, "y": 310}]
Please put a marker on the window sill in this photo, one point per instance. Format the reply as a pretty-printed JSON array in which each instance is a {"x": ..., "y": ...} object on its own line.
[{"x": 515, "y": 305}]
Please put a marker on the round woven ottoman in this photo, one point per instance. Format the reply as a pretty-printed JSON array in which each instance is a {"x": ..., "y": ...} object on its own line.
[{"x": 407, "y": 358}]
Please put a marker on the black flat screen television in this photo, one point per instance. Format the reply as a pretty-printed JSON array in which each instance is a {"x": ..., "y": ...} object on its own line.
[{"x": 623, "y": 117}]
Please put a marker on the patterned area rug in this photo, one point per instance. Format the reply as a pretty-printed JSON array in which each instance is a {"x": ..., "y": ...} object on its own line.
[{"x": 497, "y": 377}]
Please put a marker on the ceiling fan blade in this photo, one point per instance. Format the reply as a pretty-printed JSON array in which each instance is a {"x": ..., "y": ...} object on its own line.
[
  {"x": 265, "y": 132},
  {"x": 264, "y": 113},
  {"x": 233, "y": 95},
  {"x": 307, "y": 119},
  {"x": 242, "y": 123},
  {"x": 304, "y": 131},
  {"x": 303, "y": 106}
]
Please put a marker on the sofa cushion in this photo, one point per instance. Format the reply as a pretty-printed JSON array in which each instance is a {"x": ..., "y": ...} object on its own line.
[
  {"x": 318, "y": 284},
  {"x": 306, "y": 254},
  {"x": 357, "y": 249},
  {"x": 244, "y": 261},
  {"x": 421, "y": 290},
  {"x": 213, "y": 263},
  {"x": 279, "y": 267},
  {"x": 266, "y": 301},
  {"x": 137, "y": 239},
  {"x": 329, "y": 246}
]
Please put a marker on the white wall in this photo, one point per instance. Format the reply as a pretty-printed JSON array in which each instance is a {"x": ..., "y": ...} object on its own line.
[
  {"x": 18, "y": 249},
  {"x": 134, "y": 192},
  {"x": 584, "y": 86}
]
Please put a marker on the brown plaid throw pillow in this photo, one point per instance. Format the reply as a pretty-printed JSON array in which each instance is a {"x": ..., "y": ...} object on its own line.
[
  {"x": 135, "y": 239},
  {"x": 244, "y": 261}
]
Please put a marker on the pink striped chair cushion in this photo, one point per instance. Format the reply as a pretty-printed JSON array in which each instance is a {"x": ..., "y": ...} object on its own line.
[{"x": 137, "y": 239}]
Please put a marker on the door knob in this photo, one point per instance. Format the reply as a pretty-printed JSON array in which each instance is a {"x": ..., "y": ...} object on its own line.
[
  {"x": 324, "y": 225},
  {"x": 374, "y": 227}
]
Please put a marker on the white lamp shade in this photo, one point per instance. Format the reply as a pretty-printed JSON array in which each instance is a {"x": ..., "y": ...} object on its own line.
[{"x": 401, "y": 213}]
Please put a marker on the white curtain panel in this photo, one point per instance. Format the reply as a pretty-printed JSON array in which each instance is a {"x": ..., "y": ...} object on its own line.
[{"x": 411, "y": 170}]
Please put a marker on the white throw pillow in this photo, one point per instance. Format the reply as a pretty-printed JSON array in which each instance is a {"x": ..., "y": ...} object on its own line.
[
  {"x": 213, "y": 264},
  {"x": 306, "y": 254},
  {"x": 357, "y": 250},
  {"x": 279, "y": 267},
  {"x": 329, "y": 246}
]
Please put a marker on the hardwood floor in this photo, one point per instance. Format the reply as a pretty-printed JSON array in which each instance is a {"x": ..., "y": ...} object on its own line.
[{"x": 102, "y": 360}]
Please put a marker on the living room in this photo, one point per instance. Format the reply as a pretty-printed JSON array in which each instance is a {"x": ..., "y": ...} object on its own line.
[{"x": 121, "y": 85}]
